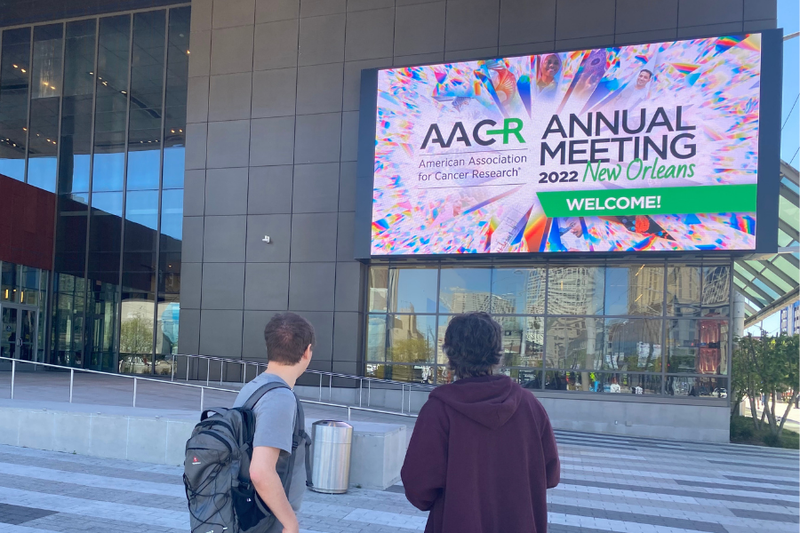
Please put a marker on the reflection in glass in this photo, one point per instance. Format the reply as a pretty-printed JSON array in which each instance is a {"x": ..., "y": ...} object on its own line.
[
  {"x": 604, "y": 382},
  {"x": 412, "y": 338},
  {"x": 111, "y": 103},
  {"x": 76, "y": 112},
  {"x": 522, "y": 340},
  {"x": 575, "y": 343},
  {"x": 633, "y": 344},
  {"x": 136, "y": 331},
  {"x": 175, "y": 111},
  {"x": 172, "y": 215},
  {"x": 697, "y": 346},
  {"x": 518, "y": 291},
  {"x": 167, "y": 320},
  {"x": 147, "y": 72},
  {"x": 14, "y": 77},
  {"x": 68, "y": 314},
  {"x": 101, "y": 325},
  {"x": 463, "y": 290},
  {"x": 376, "y": 338},
  {"x": 716, "y": 291},
  {"x": 410, "y": 373},
  {"x": 412, "y": 290},
  {"x": 635, "y": 290},
  {"x": 683, "y": 291},
  {"x": 575, "y": 290},
  {"x": 45, "y": 91},
  {"x": 441, "y": 330},
  {"x": 697, "y": 387},
  {"x": 378, "y": 288}
]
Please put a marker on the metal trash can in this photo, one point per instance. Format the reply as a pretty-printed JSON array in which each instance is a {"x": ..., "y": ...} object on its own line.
[{"x": 331, "y": 456}]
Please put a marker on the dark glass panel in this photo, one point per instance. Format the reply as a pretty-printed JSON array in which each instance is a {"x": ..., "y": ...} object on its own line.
[
  {"x": 633, "y": 344},
  {"x": 68, "y": 319},
  {"x": 697, "y": 387},
  {"x": 604, "y": 382},
  {"x": 71, "y": 235},
  {"x": 147, "y": 74},
  {"x": 575, "y": 343},
  {"x": 522, "y": 340},
  {"x": 412, "y": 290},
  {"x": 14, "y": 80},
  {"x": 635, "y": 290},
  {"x": 175, "y": 112},
  {"x": 101, "y": 326},
  {"x": 698, "y": 346},
  {"x": 378, "y": 288},
  {"x": 575, "y": 290},
  {"x": 518, "y": 291},
  {"x": 376, "y": 338},
  {"x": 462, "y": 290},
  {"x": 412, "y": 338},
  {"x": 528, "y": 379},
  {"x": 45, "y": 101},
  {"x": 683, "y": 291},
  {"x": 76, "y": 113},
  {"x": 105, "y": 236},
  {"x": 111, "y": 103},
  {"x": 716, "y": 291}
]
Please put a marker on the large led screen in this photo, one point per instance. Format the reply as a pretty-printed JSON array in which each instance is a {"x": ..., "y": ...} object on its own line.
[{"x": 631, "y": 148}]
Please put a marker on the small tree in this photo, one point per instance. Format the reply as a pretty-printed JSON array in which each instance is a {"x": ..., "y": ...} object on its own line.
[
  {"x": 136, "y": 336},
  {"x": 766, "y": 366}
]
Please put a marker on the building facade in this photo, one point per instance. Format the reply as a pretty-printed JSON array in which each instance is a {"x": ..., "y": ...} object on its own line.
[{"x": 202, "y": 160}]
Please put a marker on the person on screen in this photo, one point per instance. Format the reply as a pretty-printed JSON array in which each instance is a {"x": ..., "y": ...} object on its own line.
[
  {"x": 546, "y": 71},
  {"x": 482, "y": 454}
]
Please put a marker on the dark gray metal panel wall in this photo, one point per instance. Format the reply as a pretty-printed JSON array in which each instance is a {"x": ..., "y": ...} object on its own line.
[{"x": 273, "y": 129}]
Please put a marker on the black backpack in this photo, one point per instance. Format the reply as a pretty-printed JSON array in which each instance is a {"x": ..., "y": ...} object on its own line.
[{"x": 217, "y": 468}]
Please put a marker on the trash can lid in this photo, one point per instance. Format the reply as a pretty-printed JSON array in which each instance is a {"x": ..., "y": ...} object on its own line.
[{"x": 332, "y": 423}]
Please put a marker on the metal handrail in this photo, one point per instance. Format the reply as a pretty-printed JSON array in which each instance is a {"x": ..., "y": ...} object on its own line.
[
  {"x": 202, "y": 388},
  {"x": 405, "y": 399}
]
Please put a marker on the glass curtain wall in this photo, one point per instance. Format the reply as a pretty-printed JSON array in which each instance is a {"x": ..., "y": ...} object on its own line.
[
  {"x": 94, "y": 110},
  {"x": 639, "y": 329}
]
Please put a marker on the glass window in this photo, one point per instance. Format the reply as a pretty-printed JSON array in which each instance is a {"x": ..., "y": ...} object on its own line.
[
  {"x": 412, "y": 338},
  {"x": 147, "y": 86},
  {"x": 408, "y": 373},
  {"x": 632, "y": 344},
  {"x": 15, "y": 74},
  {"x": 175, "y": 111},
  {"x": 378, "y": 288},
  {"x": 522, "y": 340},
  {"x": 9, "y": 281},
  {"x": 45, "y": 100},
  {"x": 697, "y": 346},
  {"x": 575, "y": 290},
  {"x": 574, "y": 343},
  {"x": 698, "y": 387},
  {"x": 528, "y": 379},
  {"x": 635, "y": 290},
  {"x": 167, "y": 320},
  {"x": 172, "y": 216},
  {"x": 683, "y": 290},
  {"x": 111, "y": 103},
  {"x": 604, "y": 382},
  {"x": 463, "y": 290},
  {"x": 518, "y": 291},
  {"x": 412, "y": 290},
  {"x": 76, "y": 112},
  {"x": 136, "y": 332},
  {"x": 376, "y": 338},
  {"x": 716, "y": 291}
]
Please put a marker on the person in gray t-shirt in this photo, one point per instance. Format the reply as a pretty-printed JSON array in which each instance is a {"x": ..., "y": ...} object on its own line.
[{"x": 290, "y": 340}]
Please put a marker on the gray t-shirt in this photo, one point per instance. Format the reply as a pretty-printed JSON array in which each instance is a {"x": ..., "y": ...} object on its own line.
[{"x": 275, "y": 416}]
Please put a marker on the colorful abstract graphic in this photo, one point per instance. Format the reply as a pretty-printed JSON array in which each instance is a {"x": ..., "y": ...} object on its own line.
[{"x": 644, "y": 147}]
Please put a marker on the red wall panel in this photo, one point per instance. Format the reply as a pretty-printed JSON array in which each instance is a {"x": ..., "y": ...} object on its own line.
[{"x": 26, "y": 224}]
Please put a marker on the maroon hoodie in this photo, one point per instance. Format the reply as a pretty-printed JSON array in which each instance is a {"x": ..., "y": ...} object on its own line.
[{"x": 481, "y": 458}]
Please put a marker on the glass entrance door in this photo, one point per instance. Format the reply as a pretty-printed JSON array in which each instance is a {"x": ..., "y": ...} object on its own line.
[{"x": 18, "y": 327}]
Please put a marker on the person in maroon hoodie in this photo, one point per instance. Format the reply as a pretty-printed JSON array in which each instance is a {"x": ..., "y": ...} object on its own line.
[{"x": 483, "y": 453}]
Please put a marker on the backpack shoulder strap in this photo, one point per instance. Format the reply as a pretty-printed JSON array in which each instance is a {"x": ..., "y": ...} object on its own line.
[
  {"x": 261, "y": 391},
  {"x": 300, "y": 436}
]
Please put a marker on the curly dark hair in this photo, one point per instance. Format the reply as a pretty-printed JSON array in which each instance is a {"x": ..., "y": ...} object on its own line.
[{"x": 473, "y": 343}]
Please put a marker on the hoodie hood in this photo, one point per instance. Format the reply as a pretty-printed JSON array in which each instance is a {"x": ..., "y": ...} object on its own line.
[{"x": 488, "y": 400}]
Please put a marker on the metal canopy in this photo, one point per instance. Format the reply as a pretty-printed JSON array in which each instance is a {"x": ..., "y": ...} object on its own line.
[{"x": 771, "y": 283}]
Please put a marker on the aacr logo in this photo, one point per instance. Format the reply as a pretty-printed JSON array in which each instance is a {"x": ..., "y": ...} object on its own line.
[{"x": 511, "y": 126}]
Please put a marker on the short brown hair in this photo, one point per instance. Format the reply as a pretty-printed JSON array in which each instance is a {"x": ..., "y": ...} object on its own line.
[{"x": 288, "y": 335}]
